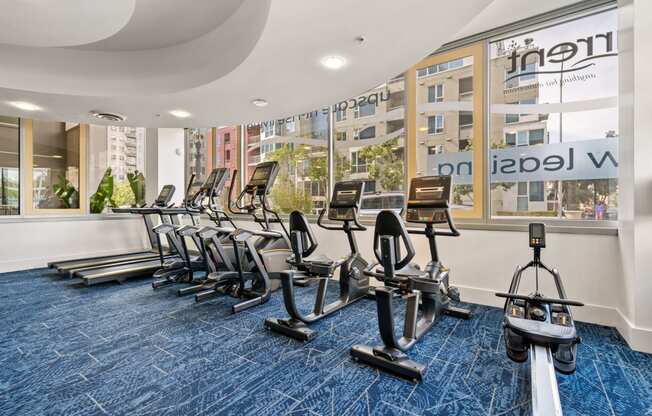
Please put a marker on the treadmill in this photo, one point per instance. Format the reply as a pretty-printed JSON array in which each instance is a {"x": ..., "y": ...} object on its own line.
[
  {"x": 67, "y": 268},
  {"x": 148, "y": 266}
]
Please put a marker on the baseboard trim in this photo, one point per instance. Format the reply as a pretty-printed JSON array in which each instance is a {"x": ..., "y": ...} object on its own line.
[
  {"x": 639, "y": 339},
  {"x": 39, "y": 262}
]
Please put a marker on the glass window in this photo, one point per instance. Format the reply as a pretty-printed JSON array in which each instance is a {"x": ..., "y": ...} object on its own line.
[
  {"x": 9, "y": 166},
  {"x": 378, "y": 156},
  {"x": 536, "y": 136},
  {"x": 466, "y": 86},
  {"x": 445, "y": 130},
  {"x": 365, "y": 110},
  {"x": 436, "y": 93},
  {"x": 299, "y": 144},
  {"x": 55, "y": 165},
  {"x": 436, "y": 124},
  {"x": 198, "y": 153},
  {"x": 465, "y": 118},
  {"x": 366, "y": 133},
  {"x": 536, "y": 191},
  {"x": 125, "y": 157},
  {"x": 568, "y": 156}
]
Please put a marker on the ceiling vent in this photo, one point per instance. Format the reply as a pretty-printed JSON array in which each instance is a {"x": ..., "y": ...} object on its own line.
[{"x": 102, "y": 115}]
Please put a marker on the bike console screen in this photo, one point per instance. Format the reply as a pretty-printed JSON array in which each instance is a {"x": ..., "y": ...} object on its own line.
[
  {"x": 346, "y": 200},
  {"x": 428, "y": 199},
  {"x": 263, "y": 178}
]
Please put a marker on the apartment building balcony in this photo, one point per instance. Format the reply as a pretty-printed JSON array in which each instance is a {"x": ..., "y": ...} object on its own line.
[{"x": 253, "y": 160}]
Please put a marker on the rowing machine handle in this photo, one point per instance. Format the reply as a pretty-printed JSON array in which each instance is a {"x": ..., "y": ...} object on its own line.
[{"x": 540, "y": 299}]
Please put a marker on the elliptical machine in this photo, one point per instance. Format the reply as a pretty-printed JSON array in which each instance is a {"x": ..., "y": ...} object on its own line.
[
  {"x": 259, "y": 254},
  {"x": 426, "y": 291},
  {"x": 354, "y": 285},
  {"x": 182, "y": 268},
  {"x": 542, "y": 326}
]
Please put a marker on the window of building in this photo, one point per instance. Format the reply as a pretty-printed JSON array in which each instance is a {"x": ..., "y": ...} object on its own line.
[
  {"x": 447, "y": 134},
  {"x": 436, "y": 124},
  {"x": 381, "y": 163},
  {"x": 436, "y": 93},
  {"x": 522, "y": 72},
  {"x": 301, "y": 152},
  {"x": 536, "y": 191},
  {"x": 465, "y": 118},
  {"x": 55, "y": 165},
  {"x": 466, "y": 86},
  {"x": 227, "y": 138},
  {"x": 126, "y": 158},
  {"x": 366, "y": 133},
  {"x": 227, "y": 156},
  {"x": 9, "y": 166},
  {"x": 340, "y": 115},
  {"x": 340, "y": 136},
  {"x": 366, "y": 110},
  {"x": 358, "y": 163}
]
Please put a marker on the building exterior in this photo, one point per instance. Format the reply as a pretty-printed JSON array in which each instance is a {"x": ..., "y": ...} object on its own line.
[
  {"x": 380, "y": 120},
  {"x": 125, "y": 150},
  {"x": 198, "y": 153}
]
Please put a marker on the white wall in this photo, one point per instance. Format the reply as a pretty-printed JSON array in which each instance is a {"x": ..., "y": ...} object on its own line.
[
  {"x": 171, "y": 160},
  {"x": 34, "y": 243},
  {"x": 635, "y": 182},
  {"x": 483, "y": 262}
]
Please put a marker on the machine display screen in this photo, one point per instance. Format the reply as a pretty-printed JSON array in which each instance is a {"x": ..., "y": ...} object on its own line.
[
  {"x": 350, "y": 196},
  {"x": 428, "y": 201},
  {"x": 165, "y": 195},
  {"x": 435, "y": 189},
  {"x": 211, "y": 180},
  {"x": 346, "y": 200},
  {"x": 261, "y": 174}
]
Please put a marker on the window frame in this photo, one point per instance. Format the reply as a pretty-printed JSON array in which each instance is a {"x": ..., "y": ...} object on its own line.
[{"x": 478, "y": 51}]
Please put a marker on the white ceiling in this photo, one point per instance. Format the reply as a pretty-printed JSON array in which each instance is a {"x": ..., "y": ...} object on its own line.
[{"x": 143, "y": 58}]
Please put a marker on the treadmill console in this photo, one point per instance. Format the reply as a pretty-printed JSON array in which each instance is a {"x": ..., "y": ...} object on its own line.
[
  {"x": 263, "y": 178},
  {"x": 165, "y": 196},
  {"x": 428, "y": 199},
  {"x": 537, "y": 233},
  {"x": 346, "y": 200}
]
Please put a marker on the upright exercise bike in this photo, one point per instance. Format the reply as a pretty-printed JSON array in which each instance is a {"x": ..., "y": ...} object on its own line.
[
  {"x": 427, "y": 292},
  {"x": 353, "y": 284},
  {"x": 542, "y": 327}
]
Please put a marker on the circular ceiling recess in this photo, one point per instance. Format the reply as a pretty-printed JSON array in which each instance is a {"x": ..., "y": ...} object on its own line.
[
  {"x": 163, "y": 23},
  {"x": 62, "y": 23},
  {"x": 167, "y": 46}
]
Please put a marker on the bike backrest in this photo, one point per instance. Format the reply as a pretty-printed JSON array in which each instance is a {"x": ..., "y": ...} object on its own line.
[
  {"x": 300, "y": 226},
  {"x": 390, "y": 224}
]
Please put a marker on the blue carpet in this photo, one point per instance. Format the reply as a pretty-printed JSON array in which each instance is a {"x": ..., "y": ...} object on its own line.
[{"x": 126, "y": 349}]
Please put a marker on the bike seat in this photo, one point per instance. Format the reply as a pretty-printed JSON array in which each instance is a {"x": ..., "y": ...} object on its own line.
[
  {"x": 541, "y": 332},
  {"x": 321, "y": 259},
  {"x": 320, "y": 265}
]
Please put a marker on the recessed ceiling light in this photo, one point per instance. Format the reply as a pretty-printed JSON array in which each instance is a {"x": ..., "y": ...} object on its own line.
[
  {"x": 333, "y": 62},
  {"x": 259, "y": 102},
  {"x": 180, "y": 113},
  {"x": 25, "y": 106}
]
